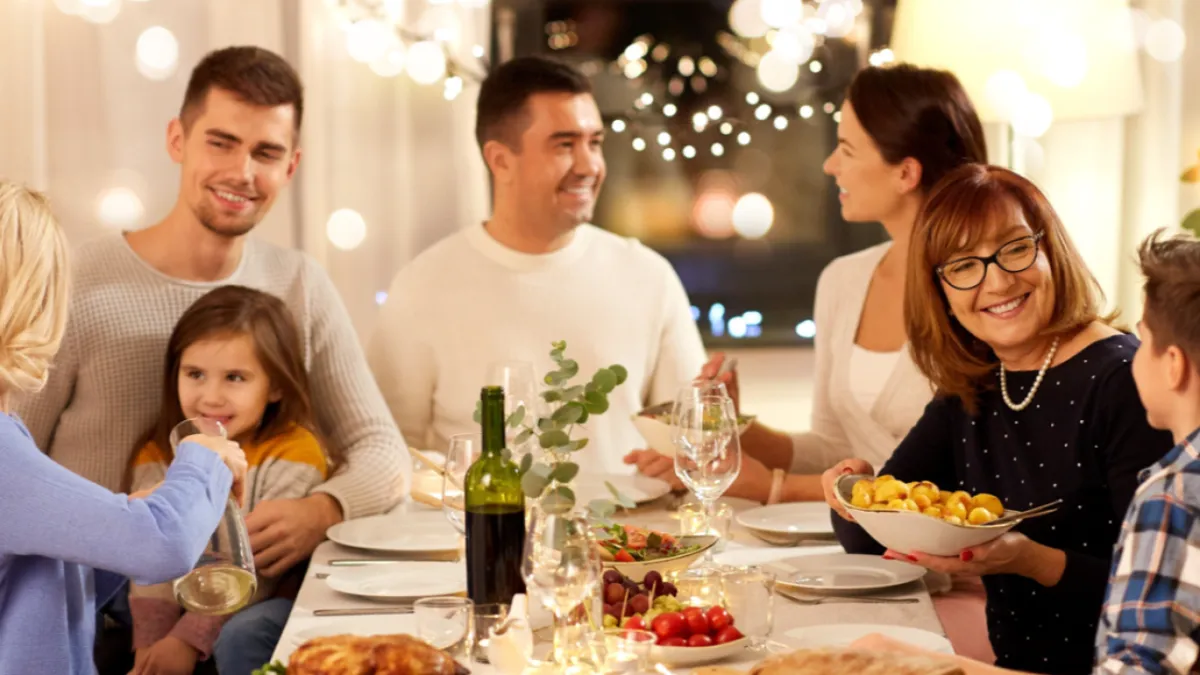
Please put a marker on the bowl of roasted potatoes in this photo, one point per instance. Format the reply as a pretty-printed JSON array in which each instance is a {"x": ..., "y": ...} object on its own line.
[{"x": 920, "y": 516}]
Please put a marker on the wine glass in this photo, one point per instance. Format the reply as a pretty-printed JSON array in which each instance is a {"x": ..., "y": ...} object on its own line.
[
  {"x": 223, "y": 580},
  {"x": 520, "y": 390},
  {"x": 463, "y": 451},
  {"x": 708, "y": 453},
  {"x": 561, "y": 564}
]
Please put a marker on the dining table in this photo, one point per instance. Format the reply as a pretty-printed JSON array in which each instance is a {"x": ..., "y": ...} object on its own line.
[{"x": 792, "y": 620}]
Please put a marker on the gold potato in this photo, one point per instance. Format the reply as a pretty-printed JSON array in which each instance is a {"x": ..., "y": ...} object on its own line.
[
  {"x": 989, "y": 502},
  {"x": 886, "y": 493}
]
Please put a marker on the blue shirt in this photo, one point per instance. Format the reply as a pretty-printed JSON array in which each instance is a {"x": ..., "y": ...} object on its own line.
[
  {"x": 1151, "y": 617},
  {"x": 66, "y": 542}
]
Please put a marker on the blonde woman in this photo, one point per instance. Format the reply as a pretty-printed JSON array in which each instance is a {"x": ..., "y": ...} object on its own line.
[{"x": 66, "y": 542}]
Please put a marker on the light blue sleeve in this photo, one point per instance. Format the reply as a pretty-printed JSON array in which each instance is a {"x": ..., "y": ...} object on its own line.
[{"x": 52, "y": 512}]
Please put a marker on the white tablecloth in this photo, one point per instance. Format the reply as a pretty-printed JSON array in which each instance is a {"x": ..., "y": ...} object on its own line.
[{"x": 742, "y": 549}]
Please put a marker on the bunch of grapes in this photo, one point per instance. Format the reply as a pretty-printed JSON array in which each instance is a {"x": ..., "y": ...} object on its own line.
[{"x": 625, "y": 599}]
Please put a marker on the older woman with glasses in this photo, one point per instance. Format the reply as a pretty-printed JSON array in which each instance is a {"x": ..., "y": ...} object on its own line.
[{"x": 1035, "y": 402}]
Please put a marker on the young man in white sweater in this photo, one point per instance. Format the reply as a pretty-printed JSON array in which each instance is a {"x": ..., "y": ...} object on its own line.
[
  {"x": 236, "y": 143},
  {"x": 534, "y": 273}
]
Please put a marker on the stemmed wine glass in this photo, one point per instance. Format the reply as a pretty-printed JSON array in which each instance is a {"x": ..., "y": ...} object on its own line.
[
  {"x": 520, "y": 390},
  {"x": 463, "y": 451},
  {"x": 223, "y": 580},
  {"x": 562, "y": 566},
  {"x": 708, "y": 453}
]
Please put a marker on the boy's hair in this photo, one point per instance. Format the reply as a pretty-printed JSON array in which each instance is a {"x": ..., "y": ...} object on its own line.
[
  {"x": 252, "y": 74},
  {"x": 230, "y": 311},
  {"x": 1172, "y": 311},
  {"x": 33, "y": 288}
]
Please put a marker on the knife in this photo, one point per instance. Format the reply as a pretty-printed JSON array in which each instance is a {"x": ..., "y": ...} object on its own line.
[{"x": 398, "y": 609}]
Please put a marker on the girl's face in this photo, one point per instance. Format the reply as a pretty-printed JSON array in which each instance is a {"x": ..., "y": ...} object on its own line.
[{"x": 221, "y": 378}]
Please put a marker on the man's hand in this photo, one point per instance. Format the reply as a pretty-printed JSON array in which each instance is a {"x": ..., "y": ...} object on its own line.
[
  {"x": 168, "y": 656},
  {"x": 285, "y": 531},
  {"x": 655, "y": 465}
]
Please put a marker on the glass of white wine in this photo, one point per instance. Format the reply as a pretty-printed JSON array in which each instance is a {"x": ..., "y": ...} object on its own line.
[{"x": 223, "y": 580}]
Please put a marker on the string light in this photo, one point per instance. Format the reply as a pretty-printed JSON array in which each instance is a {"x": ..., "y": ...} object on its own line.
[
  {"x": 828, "y": 108},
  {"x": 806, "y": 111},
  {"x": 815, "y": 66},
  {"x": 714, "y": 112},
  {"x": 743, "y": 138},
  {"x": 717, "y": 149},
  {"x": 726, "y": 128},
  {"x": 664, "y": 138},
  {"x": 751, "y": 97},
  {"x": 618, "y": 126},
  {"x": 687, "y": 66},
  {"x": 669, "y": 110},
  {"x": 762, "y": 112},
  {"x": 689, "y": 151},
  {"x": 781, "y": 123},
  {"x": 669, "y": 154},
  {"x": 639, "y": 144}
]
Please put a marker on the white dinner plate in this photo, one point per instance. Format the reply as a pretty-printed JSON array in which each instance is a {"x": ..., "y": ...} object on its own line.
[
  {"x": 419, "y": 532},
  {"x": 844, "y": 573},
  {"x": 639, "y": 488},
  {"x": 407, "y": 580},
  {"x": 841, "y": 635},
  {"x": 362, "y": 626},
  {"x": 795, "y": 518}
]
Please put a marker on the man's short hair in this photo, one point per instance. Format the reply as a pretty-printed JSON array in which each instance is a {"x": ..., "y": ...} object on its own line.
[
  {"x": 252, "y": 74},
  {"x": 501, "y": 114}
]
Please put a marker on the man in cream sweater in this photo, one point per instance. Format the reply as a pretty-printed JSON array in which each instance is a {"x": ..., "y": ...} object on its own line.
[
  {"x": 534, "y": 273},
  {"x": 235, "y": 141}
]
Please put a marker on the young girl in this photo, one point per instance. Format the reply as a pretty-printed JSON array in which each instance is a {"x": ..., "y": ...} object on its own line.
[
  {"x": 234, "y": 357},
  {"x": 65, "y": 541}
]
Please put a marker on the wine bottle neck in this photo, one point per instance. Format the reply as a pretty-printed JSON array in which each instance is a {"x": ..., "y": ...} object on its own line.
[{"x": 492, "y": 422}]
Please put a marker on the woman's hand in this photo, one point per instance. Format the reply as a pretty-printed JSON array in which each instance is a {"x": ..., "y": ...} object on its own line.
[
  {"x": 729, "y": 379},
  {"x": 1012, "y": 553},
  {"x": 168, "y": 656},
  {"x": 230, "y": 453},
  {"x": 656, "y": 465},
  {"x": 830, "y": 477}
]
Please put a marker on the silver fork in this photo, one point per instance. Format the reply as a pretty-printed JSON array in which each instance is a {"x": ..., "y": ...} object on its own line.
[{"x": 848, "y": 599}]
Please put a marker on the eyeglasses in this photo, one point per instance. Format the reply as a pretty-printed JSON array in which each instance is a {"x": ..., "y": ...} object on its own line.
[{"x": 966, "y": 273}]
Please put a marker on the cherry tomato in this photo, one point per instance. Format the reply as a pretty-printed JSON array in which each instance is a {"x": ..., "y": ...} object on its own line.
[
  {"x": 697, "y": 623},
  {"x": 623, "y": 556},
  {"x": 718, "y": 618},
  {"x": 672, "y": 642},
  {"x": 700, "y": 641},
  {"x": 727, "y": 634},
  {"x": 635, "y": 623},
  {"x": 689, "y": 611},
  {"x": 668, "y": 625}
]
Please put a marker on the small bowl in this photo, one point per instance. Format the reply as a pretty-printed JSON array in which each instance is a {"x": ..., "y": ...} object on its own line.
[
  {"x": 637, "y": 570},
  {"x": 695, "y": 656},
  {"x": 907, "y": 531},
  {"x": 657, "y": 432}
]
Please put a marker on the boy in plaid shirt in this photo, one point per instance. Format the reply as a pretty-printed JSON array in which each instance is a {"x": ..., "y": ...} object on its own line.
[
  {"x": 1150, "y": 623},
  {"x": 1151, "y": 617}
]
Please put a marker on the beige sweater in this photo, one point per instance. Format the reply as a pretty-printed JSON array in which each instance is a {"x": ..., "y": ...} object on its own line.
[
  {"x": 106, "y": 383},
  {"x": 841, "y": 427}
]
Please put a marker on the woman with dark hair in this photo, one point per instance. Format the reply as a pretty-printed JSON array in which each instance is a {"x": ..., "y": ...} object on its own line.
[
  {"x": 1035, "y": 402},
  {"x": 902, "y": 129}
]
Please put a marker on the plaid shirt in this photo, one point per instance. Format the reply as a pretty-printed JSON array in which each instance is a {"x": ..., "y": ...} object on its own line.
[{"x": 1151, "y": 617}]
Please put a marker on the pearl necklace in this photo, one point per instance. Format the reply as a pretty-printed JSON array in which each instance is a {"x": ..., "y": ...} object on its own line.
[{"x": 1018, "y": 407}]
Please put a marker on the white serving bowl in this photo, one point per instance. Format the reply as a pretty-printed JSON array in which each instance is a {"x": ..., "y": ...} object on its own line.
[
  {"x": 664, "y": 566},
  {"x": 696, "y": 656},
  {"x": 658, "y": 432},
  {"x": 908, "y": 531}
]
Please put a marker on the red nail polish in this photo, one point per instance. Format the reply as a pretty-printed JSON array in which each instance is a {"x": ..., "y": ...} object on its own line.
[
  {"x": 967, "y": 556},
  {"x": 913, "y": 558},
  {"x": 888, "y": 556}
]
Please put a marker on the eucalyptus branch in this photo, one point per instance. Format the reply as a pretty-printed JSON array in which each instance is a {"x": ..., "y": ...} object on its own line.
[{"x": 569, "y": 406}]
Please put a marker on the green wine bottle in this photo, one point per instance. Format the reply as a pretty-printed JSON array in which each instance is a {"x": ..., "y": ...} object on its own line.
[{"x": 495, "y": 512}]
